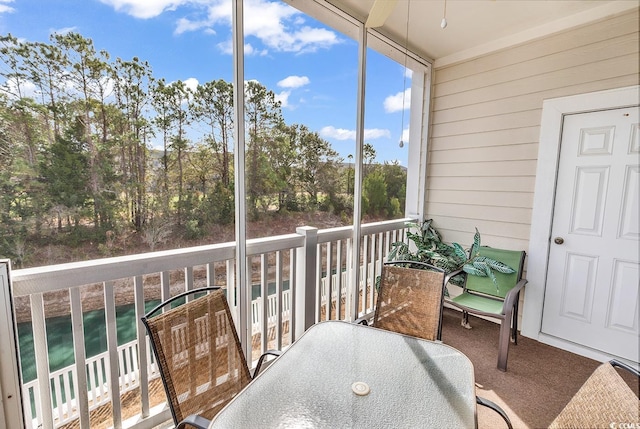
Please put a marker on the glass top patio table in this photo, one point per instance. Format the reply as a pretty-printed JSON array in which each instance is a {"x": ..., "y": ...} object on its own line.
[{"x": 345, "y": 375}]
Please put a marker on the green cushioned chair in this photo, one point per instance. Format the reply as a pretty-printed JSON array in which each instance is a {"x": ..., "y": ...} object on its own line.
[{"x": 482, "y": 296}]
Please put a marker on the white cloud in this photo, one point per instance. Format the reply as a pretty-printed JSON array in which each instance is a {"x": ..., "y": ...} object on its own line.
[
  {"x": 376, "y": 133},
  {"x": 63, "y": 30},
  {"x": 337, "y": 133},
  {"x": 4, "y": 6},
  {"x": 283, "y": 98},
  {"x": 277, "y": 25},
  {"x": 342, "y": 134},
  {"x": 27, "y": 88},
  {"x": 293, "y": 82},
  {"x": 394, "y": 103},
  {"x": 191, "y": 83},
  {"x": 184, "y": 25},
  {"x": 227, "y": 48},
  {"x": 146, "y": 9}
]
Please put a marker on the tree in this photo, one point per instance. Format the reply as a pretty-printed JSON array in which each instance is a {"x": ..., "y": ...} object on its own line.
[
  {"x": 395, "y": 177},
  {"x": 131, "y": 89},
  {"x": 171, "y": 101},
  {"x": 263, "y": 116},
  {"x": 47, "y": 70},
  {"x": 368, "y": 156},
  {"x": 316, "y": 166},
  {"x": 283, "y": 156},
  {"x": 13, "y": 53},
  {"x": 375, "y": 190},
  {"x": 65, "y": 171},
  {"x": 87, "y": 74},
  {"x": 212, "y": 104}
]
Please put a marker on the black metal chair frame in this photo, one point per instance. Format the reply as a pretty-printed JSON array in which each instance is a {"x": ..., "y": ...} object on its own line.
[{"x": 192, "y": 420}]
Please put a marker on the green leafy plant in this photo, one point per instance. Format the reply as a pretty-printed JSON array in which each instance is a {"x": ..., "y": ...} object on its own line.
[{"x": 429, "y": 247}]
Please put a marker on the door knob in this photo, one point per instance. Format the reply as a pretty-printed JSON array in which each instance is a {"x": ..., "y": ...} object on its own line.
[{"x": 558, "y": 240}]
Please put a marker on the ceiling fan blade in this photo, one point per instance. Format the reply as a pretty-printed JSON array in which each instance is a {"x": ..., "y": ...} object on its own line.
[{"x": 379, "y": 12}]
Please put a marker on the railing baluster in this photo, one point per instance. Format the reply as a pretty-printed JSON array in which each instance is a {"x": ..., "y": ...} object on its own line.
[
  {"x": 142, "y": 350},
  {"x": 364, "y": 276},
  {"x": 278, "y": 301},
  {"x": 328, "y": 296},
  {"x": 313, "y": 286},
  {"x": 45, "y": 405},
  {"x": 188, "y": 279},
  {"x": 80, "y": 357},
  {"x": 124, "y": 369},
  {"x": 339, "y": 282},
  {"x": 352, "y": 290},
  {"x": 293, "y": 287},
  {"x": 57, "y": 394},
  {"x": 94, "y": 383},
  {"x": 372, "y": 271},
  {"x": 318, "y": 283},
  {"x": 113, "y": 359},
  {"x": 264, "y": 295}
]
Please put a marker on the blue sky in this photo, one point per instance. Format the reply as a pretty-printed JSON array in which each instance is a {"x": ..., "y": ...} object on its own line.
[{"x": 311, "y": 67}]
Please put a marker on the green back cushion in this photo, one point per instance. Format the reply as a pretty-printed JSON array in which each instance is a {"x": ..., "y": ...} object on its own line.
[{"x": 506, "y": 282}]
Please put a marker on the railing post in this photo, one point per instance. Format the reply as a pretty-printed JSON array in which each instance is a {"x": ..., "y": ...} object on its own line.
[{"x": 306, "y": 278}]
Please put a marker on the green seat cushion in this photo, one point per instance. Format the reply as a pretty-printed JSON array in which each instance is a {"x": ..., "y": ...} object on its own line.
[
  {"x": 480, "y": 303},
  {"x": 505, "y": 282}
]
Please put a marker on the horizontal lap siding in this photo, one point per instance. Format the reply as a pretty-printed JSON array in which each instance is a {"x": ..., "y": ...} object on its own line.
[{"x": 486, "y": 124}]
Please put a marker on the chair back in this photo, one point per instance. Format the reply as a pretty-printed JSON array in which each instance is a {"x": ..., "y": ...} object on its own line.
[
  {"x": 198, "y": 353},
  {"x": 505, "y": 282},
  {"x": 410, "y": 301},
  {"x": 603, "y": 400}
]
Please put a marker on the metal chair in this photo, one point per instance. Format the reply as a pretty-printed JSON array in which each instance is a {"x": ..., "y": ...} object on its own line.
[
  {"x": 199, "y": 355},
  {"x": 604, "y": 400},
  {"x": 410, "y": 299},
  {"x": 495, "y": 407},
  {"x": 500, "y": 300}
]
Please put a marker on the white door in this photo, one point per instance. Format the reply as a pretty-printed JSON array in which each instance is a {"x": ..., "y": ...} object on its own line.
[{"x": 593, "y": 279}]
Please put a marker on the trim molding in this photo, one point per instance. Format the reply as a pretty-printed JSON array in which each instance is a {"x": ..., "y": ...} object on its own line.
[
  {"x": 591, "y": 15},
  {"x": 553, "y": 112}
]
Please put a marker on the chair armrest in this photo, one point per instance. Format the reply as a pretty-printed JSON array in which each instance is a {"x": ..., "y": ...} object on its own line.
[
  {"x": 448, "y": 276},
  {"x": 495, "y": 407},
  {"x": 275, "y": 353},
  {"x": 623, "y": 365},
  {"x": 194, "y": 420},
  {"x": 361, "y": 321},
  {"x": 510, "y": 299}
]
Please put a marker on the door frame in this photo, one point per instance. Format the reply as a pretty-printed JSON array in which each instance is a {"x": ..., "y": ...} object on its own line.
[
  {"x": 11, "y": 400},
  {"x": 553, "y": 112}
]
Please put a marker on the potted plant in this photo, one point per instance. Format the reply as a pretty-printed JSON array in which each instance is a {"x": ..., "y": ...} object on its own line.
[{"x": 452, "y": 258}]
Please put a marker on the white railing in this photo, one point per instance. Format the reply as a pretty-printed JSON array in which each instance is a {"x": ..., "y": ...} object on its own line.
[
  {"x": 64, "y": 379},
  {"x": 275, "y": 261}
]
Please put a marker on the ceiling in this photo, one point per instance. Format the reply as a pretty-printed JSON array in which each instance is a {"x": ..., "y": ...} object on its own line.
[{"x": 475, "y": 26}]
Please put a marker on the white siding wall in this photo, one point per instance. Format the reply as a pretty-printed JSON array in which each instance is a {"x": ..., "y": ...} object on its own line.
[{"x": 486, "y": 124}]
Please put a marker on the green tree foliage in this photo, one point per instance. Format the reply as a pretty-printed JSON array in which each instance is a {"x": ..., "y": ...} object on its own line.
[
  {"x": 263, "y": 119},
  {"x": 375, "y": 190},
  {"x": 212, "y": 105},
  {"x": 65, "y": 172},
  {"x": 316, "y": 167},
  {"x": 130, "y": 131},
  {"x": 77, "y": 161}
]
